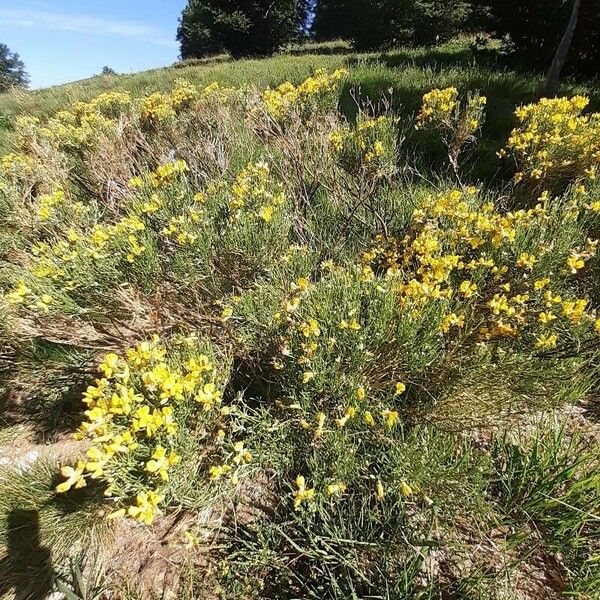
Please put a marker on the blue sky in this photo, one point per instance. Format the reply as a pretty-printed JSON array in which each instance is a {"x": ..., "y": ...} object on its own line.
[{"x": 66, "y": 40}]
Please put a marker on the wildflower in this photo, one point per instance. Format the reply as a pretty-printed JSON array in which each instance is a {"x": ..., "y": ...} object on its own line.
[
  {"x": 390, "y": 417},
  {"x": 307, "y": 376},
  {"x": 452, "y": 320},
  {"x": 160, "y": 462},
  {"x": 368, "y": 418},
  {"x": 74, "y": 478},
  {"x": 320, "y": 418},
  {"x": 526, "y": 261},
  {"x": 546, "y": 341},
  {"x": 303, "y": 493},
  {"x": 574, "y": 310},
  {"x": 400, "y": 388},
  {"x": 266, "y": 213},
  {"x": 467, "y": 289},
  {"x": 546, "y": 317},
  {"x": 336, "y": 489},
  {"x": 360, "y": 393},
  {"x": 217, "y": 471},
  {"x": 146, "y": 506},
  {"x": 242, "y": 455},
  {"x": 310, "y": 328},
  {"x": 405, "y": 489},
  {"x": 379, "y": 491},
  {"x": 19, "y": 294},
  {"x": 575, "y": 262},
  {"x": 540, "y": 284}
]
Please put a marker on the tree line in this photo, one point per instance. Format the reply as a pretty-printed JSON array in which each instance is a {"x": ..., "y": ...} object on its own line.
[{"x": 531, "y": 31}]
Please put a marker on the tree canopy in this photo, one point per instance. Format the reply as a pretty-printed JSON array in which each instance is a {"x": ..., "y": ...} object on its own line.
[
  {"x": 12, "y": 70},
  {"x": 240, "y": 27}
]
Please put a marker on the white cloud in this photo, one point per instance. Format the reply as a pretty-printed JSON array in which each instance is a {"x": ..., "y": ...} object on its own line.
[{"x": 84, "y": 24}]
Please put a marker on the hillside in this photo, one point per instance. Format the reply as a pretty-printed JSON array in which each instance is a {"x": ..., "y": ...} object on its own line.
[{"x": 321, "y": 326}]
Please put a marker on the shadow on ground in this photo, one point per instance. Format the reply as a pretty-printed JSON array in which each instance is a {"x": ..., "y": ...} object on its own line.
[{"x": 27, "y": 567}]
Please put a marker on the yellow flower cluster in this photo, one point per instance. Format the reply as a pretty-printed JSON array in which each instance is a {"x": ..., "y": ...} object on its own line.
[
  {"x": 132, "y": 417},
  {"x": 442, "y": 110},
  {"x": 162, "y": 175},
  {"x": 304, "y": 494},
  {"x": 254, "y": 194},
  {"x": 280, "y": 101},
  {"x": 47, "y": 204},
  {"x": 22, "y": 294},
  {"x": 157, "y": 108},
  {"x": 457, "y": 251},
  {"x": 61, "y": 260},
  {"x": 369, "y": 145},
  {"x": 555, "y": 142},
  {"x": 438, "y": 105},
  {"x": 15, "y": 165}
]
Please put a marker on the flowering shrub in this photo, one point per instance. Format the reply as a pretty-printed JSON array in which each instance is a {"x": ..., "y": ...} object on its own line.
[
  {"x": 370, "y": 145},
  {"x": 555, "y": 143},
  {"x": 281, "y": 100},
  {"x": 318, "y": 309},
  {"x": 134, "y": 415},
  {"x": 457, "y": 122}
]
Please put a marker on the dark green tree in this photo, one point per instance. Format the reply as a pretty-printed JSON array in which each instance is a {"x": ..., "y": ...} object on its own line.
[
  {"x": 240, "y": 27},
  {"x": 374, "y": 24},
  {"x": 533, "y": 30},
  {"x": 332, "y": 19},
  {"x": 12, "y": 70}
]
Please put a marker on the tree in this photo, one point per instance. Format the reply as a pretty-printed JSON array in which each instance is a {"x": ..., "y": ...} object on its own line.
[
  {"x": 240, "y": 27},
  {"x": 332, "y": 19},
  {"x": 533, "y": 29},
  {"x": 108, "y": 71},
  {"x": 385, "y": 23},
  {"x": 12, "y": 70},
  {"x": 562, "y": 51}
]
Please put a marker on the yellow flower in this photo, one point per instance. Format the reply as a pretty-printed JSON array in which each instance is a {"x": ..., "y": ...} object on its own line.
[
  {"x": 307, "y": 376},
  {"x": 452, "y": 320},
  {"x": 74, "y": 477},
  {"x": 266, "y": 213},
  {"x": 391, "y": 417},
  {"x": 526, "y": 261},
  {"x": 575, "y": 262},
  {"x": 217, "y": 471},
  {"x": 146, "y": 507},
  {"x": 242, "y": 454},
  {"x": 379, "y": 490},
  {"x": 467, "y": 289},
  {"x": 400, "y": 388},
  {"x": 336, "y": 489},
  {"x": 320, "y": 417},
  {"x": 303, "y": 493},
  {"x": 540, "y": 284},
  {"x": 405, "y": 489},
  {"x": 160, "y": 462},
  {"x": 574, "y": 310},
  {"x": 360, "y": 393},
  {"x": 546, "y": 341},
  {"x": 368, "y": 418}
]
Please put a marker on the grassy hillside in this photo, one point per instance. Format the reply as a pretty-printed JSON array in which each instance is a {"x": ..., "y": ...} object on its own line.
[
  {"x": 337, "y": 338},
  {"x": 408, "y": 72}
]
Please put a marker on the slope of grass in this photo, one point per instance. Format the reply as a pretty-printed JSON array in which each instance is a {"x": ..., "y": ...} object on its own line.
[
  {"x": 308, "y": 345},
  {"x": 404, "y": 74}
]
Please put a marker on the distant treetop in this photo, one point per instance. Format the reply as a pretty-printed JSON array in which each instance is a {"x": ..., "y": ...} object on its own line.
[
  {"x": 240, "y": 27},
  {"x": 12, "y": 70}
]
